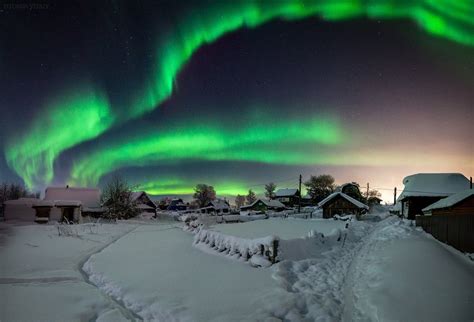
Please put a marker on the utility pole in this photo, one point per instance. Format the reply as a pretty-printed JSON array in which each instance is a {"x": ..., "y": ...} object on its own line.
[
  {"x": 470, "y": 182},
  {"x": 299, "y": 199},
  {"x": 367, "y": 196},
  {"x": 394, "y": 195}
]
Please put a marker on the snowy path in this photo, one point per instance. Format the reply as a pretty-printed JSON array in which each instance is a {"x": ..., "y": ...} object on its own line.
[
  {"x": 314, "y": 286},
  {"x": 403, "y": 274}
]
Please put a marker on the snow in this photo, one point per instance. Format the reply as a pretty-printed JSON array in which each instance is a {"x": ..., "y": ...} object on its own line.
[
  {"x": 348, "y": 198},
  {"x": 40, "y": 277},
  {"x": 450, "y": 201},
  {"x": 268, "y": 203},
  {"x": 330, "y": 270},
  {"x": 287, "y": 228},
  {"x": 433, "y": 184},
  {"x": 165, "y": 278},
  {"x": 404, "y": 274}
]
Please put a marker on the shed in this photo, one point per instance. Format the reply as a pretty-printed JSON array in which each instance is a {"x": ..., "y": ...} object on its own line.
[
  {"x": 339, "y": 203},
  {"x": 424, "y": 189}
]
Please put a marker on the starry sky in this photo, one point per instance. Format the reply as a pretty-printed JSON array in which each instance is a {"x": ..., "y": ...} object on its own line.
[{"x": 235, "y": 94}]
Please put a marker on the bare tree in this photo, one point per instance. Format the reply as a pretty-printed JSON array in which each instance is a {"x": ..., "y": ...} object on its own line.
[
  {"x": 118, "y": 200},
  {"x": 239, "y": 201},
  {"x": 251, "y": 197},
  {"x": 270, "y": 190},
  {"x": 204, "y": 194}
]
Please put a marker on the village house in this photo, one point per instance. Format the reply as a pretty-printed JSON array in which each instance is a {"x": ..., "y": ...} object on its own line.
[
  {"x": 263, "y": 205},
  {"x": 177, "y": 205},
  {"x": 144, "y": 202},
  {"x": 217, "y": 207},
  {"x": 339, "y": 203},
  {"x": 288, "y": 197},
  {"x": 68, "y": 204},
  {"x": 424, "y": 189}
]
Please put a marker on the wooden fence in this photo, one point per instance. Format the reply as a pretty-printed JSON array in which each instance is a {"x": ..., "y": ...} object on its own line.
[{"x": 452, "y": 229}]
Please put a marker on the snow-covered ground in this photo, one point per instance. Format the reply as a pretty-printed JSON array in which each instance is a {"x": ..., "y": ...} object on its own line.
[
  {"x": 40, "y": 277},
  {"x": 403, "y": 274},
  {"x": 383, "y": 270}
]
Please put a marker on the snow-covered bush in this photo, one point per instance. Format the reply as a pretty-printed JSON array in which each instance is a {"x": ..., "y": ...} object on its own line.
[{"x": 239, "y": 248}]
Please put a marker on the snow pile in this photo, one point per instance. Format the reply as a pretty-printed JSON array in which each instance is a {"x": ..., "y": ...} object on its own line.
[{"x": 238, "y": 248}]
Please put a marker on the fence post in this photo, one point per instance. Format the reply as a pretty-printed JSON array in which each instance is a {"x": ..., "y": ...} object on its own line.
[{"x": 275, "y": 251}]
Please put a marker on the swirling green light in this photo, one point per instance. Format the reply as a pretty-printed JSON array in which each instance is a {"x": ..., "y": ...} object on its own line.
[
  {"x": 32, "y": 155},
  {"x": 73, "y": 118},
  {"x": 268, "y": 141},
  {"x": 445, "y": 18}
]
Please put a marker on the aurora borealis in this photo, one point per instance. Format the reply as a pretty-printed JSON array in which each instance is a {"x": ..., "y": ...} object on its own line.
[{"x": 159, "y": 88}]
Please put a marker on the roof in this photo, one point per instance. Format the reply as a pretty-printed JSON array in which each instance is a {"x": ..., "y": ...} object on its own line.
[
  {"x": 348, "y": 198},
  {"x": 219, "y": 204},
  {"x": 433, "y": 185},
  {"x": 450, "y": 201},
  {"x": 138, "y": 194},
  {"x": 286, "y": 192},
  {"x": 64, "y": 203},
  {"x": 43, "y": 203},
  {"x": 22, "y": 201},
  {"x": 268, "y": 203},
  {"x": 89, "y": 197}
]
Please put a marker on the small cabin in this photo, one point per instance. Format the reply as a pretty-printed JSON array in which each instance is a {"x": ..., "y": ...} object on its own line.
[
  {"x": 461, "y": 203},
  {"x": 339, "y": 203}
]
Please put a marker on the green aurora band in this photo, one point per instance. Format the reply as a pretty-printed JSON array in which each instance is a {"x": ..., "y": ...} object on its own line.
[
  {"x": 72, "y": 119},
  {"x": 32, "y": 156},
  {"x": 266, "y": 142}
]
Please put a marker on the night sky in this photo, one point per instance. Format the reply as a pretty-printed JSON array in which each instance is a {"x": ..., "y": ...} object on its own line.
[{"x": 235, "y": 93}]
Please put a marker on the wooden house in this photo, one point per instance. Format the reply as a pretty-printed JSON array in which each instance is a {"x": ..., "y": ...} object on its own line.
[
  {"x": 288, "y": 197},
  {"x": 424, "y": 189},
  {"x": 263, "y": 205},
  {"x": 177, "y": 205},
  {"x": 144, "y": 202},
  {"x": 217, "y": 207},
  {"x": 339, "y": 203}
]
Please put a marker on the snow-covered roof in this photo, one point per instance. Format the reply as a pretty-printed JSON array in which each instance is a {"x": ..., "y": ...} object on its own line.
[
  {"x": 138, "y": 194},
  {"x": 65, "y": 203},
  {"x": 87, "y": 196},
  {"x": 22, "y": 201},
  {"x": 348, "y": 198},
  {"x": 219, "y": 204},
  {"x": 450, "y": 201},
  {"x": 43, "y": 203},
  {"x": 268, "y": 203},
  {"x": 433, "y": 185},
  {"x": 288, "y": 192}
]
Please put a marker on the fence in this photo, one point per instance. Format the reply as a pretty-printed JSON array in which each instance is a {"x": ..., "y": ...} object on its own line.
[{"x": 455, "y": 230}]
